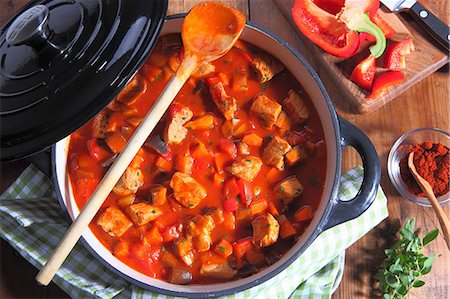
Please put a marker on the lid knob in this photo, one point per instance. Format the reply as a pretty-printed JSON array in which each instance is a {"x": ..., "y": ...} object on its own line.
[{"x": 31, "y": 28}]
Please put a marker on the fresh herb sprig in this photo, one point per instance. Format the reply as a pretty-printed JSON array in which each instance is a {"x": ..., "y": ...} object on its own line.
[{"x": 404, "y": 264}]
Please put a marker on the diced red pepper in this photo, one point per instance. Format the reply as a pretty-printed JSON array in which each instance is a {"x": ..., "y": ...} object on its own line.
[
  {"x": 96, "y": 150},
  {"x": 172, "y": 233},
  {"x": 175, "y": 108},
  {"x": 383, "y": 82},
  {"x": 230, "y": 205},
  {"x": 229, "y": 148},
  {"x": 246, "y": 190},
  {"x": 395, "y": 58},
  {"x": 85, "y": 186},
  {"x": 384, "y": 26},
  {"x": 364, "y": 73},
  {"x": 240, "y": 248},
  {"x": 231, "y": 189}
]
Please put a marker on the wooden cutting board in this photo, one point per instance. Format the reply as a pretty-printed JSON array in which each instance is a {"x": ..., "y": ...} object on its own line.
[{"x": 426, "y": 59}]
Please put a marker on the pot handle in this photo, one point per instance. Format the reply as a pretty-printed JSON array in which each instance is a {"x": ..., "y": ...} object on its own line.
[
  {"x": 343, "y": 211},
  {"x": 43, "y": 161}
]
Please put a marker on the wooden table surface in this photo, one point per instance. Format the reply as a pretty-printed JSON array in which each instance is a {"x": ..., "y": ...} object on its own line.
[{"x": 424, "y": 105}]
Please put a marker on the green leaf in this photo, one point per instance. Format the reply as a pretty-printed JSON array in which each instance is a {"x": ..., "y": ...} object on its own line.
[
  {"x": 409, "y": 235},
  {"x": 391, "y": 280},
  {"x": 430, "y": 236},
  {"x": 404, "y": 279},
  {"x": 402, "y": 290},
  {"x": 429, "y": 262},
  {"x": 387, "y": 296},
  {"x": 418, "y": 283},
  {"x": 425, "y": 270},
  {"x": 410, "y": 224}
]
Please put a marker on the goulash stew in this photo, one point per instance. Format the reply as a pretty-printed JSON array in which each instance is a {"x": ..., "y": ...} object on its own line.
[{"x": 226, "y": 183}]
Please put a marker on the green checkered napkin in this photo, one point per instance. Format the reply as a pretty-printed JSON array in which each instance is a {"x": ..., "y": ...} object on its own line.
[{"x": 33, "y": 223}]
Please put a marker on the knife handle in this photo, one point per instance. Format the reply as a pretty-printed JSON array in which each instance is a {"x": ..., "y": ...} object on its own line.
[{"x": 435, "y": 27}]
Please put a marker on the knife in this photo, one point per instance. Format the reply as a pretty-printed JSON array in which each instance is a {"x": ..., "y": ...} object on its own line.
[{"x": 435, "y": 27}]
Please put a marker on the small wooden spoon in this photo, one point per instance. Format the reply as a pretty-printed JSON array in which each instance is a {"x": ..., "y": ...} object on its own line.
[
  {"x": 209, "y": 32},
  {"x": 426, "y": 188}
]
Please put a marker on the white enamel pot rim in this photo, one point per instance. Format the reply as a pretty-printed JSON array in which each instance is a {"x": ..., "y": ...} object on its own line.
[{"x": 332, "y": 211}]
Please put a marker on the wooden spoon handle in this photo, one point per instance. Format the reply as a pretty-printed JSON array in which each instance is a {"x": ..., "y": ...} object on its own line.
[
  {"x": 116, "y": 170},
  {"x": 443, "y": 220}
]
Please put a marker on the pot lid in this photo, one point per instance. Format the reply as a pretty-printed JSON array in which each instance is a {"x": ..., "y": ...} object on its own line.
[{"x": 62, "y": 61}]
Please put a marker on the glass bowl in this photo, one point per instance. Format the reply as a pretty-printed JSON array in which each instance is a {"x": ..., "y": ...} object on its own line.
[{"x": 400, "y": 150}]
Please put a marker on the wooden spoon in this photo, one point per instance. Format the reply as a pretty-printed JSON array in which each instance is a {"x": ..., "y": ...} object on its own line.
[
  {"x": 426, "y": 188},
  {"x": 209, "y": 31}
]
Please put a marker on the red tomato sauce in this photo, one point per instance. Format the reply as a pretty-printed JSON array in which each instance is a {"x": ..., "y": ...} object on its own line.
[{"x": 159, "y": 258}]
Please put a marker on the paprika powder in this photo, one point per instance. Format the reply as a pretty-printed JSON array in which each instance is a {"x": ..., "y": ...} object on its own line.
[{"x": 432, "y": 162}]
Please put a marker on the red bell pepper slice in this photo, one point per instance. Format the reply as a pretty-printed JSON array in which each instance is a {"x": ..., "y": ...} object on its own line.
[
  {"x": 395, "y": 58},
  {"x": 96, "y": 150},
  {"x": 231, "y": 189},
  {"x": 229, "y": 148},
  {"x": 230, "y": 205},
  {"x": 246, "y": 191},
  {"x": 364, "y": 73},
  {"x": 323, "y": 29},
  {"x": 384, "y": 26},
  {"x": 337, "y": 34},
  {"x": 382, "y": 83},
  {"x": 335, "y": 6}
]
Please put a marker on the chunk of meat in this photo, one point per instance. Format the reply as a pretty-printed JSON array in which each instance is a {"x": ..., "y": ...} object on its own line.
[
  {"x": 102, "y": 124},
  {"x": 158, "y": 194},
  {"x": 184, "y": 249},
  {"x": 114, "y": 222},
  {"x": 142, "y": 213},
  {"x": 266, "y": 109},
  {"x": 175, "y": 132},
  {"x": 288, "y": 189},
  {"x": 187, "y": 190},
  {"x": 180, "y": 276},
  {"x": 283, "y": 121},
  {"x": 218, "y": 269},
  {"x": 295, "y": 108},
  {"x": 129, "y": 182},
  {"x": 225, "y": 103},
  {"x": 133, "y": 90},
  {"x": 265, "y": 230},
  {"x": 203, "y": 70},
  {"x": 246, "y": 167},
  {"x": 199, "y": 229},
  {"x": 265, "y": 67},
  {"x": 274, "y": 152}
]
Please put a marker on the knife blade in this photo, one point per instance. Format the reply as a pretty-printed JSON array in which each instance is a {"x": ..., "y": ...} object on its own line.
[{"x": 433, "y": 25}]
